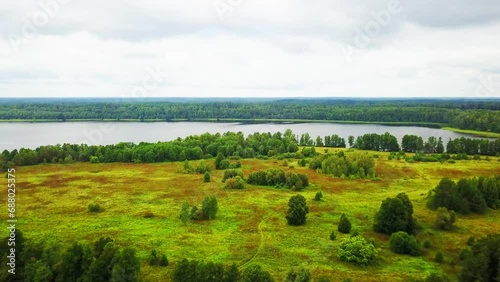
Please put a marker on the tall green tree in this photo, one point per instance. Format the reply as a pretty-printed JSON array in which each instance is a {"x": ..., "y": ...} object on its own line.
[
  {"x": 297, "y": 210},
  {"x": 210, "y": 207}
]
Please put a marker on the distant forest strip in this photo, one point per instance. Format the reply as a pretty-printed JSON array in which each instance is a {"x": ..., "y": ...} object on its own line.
[
  {"x": 462, "y": 114},
  {"x": 235, "y": 145}
]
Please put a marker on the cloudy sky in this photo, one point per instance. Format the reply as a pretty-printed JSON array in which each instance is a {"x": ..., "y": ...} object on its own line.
[{"x": 235, "y": 48}]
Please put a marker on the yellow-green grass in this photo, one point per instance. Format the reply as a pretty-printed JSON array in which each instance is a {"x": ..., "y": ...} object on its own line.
[
  {"x": 250, "y": 227},
  {"x": 473, "y": 132}
]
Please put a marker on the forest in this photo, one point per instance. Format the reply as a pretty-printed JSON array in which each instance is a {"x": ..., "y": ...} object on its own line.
[{"x": 481, "y": 115}]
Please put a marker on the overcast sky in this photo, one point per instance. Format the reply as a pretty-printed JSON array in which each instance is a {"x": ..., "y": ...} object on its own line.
[{"x": 254, "y": 48}]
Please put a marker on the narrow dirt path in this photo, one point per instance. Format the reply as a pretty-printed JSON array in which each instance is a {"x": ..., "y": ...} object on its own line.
[{"x": 259, "y": 229}]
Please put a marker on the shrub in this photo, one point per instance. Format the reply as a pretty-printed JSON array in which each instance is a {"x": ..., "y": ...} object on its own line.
[
  {"x": 344, "y": 224},
  {"x": 357, "y": 250},
  {"x": 184, "y": 214},
  {"x": 235, "y": 183},
  {"x": 255, "y": 273},
  {"x": 464, "y": 254},
  {"x": 203, "y": 167},
  {"x": 427, "y": 244},
  {"x": 153, "y": 259},
  {"x": 471, "y": 241},
  {"x": 333, "y": 236},
  {"x": 445, "y": 219},
  {"x": 94, "y": 207},
  {"x": 94, "y": 159},
  {"x": 402, "y": 243},
  {"x": 206, "y": 177},
  {"x": 148, "y": 214},
  {"x": 298, "y": 275},
  {"x": 297, "y": 210},
  {"x": 230, "y": 173},
  {"x": 163, "y": 261},
  {"x": 439, "y": 257},
  {"x": 318, "y": 196}
]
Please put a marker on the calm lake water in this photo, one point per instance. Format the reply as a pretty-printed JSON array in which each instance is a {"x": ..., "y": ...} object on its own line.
[{"x": 32, "y": 135}]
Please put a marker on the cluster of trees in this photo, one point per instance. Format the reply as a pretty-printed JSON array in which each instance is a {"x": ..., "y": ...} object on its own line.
[
  {"x": 482, "y": 115},
  {"x": 473, "y": 146},
  {"x": 278, "y": 178},
  {"x": 415, "y": 144},
  {"x": 482, "y": 263},
  {"x": 340, "y": 164},
  {"x": 473, "y": 195},
  {"x": 198, "y": 271},
  {"x": 377, "y": 142},
  {"x": 103, "y": 261}
]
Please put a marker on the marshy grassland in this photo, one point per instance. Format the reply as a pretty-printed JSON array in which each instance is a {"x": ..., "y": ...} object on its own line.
[{"x": 141, "y": 204}]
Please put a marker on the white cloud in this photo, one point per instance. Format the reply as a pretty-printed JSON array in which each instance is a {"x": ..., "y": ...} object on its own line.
[{"x": 262, "y": 48}]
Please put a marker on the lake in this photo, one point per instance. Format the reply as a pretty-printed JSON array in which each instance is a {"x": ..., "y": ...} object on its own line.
[{"x": 32, "y": 135}]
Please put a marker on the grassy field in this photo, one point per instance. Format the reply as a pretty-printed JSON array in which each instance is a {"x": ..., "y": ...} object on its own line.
[{"x": 250, "y": 226}]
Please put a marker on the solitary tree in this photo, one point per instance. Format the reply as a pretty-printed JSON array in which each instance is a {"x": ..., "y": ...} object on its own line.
[
  {"x": 184, "y": 215},
  {"x": 297, "y": 210},
  {"x": 209, "y": 207},
  {"x": 344, "y": 224},
  {"x": 394, "y": 215}
]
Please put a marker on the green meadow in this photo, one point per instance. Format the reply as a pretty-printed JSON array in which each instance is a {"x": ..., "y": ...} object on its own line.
[{"x": 141, "y": 204}]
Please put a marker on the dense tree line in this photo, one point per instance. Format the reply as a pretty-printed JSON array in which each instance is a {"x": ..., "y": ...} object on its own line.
[
  {"x": 481, "y": 115},
  {"x": 377, "y": 142},
  {"x": 235, "y": 145},
  {"x": 191, "y": 148},
  {"x": 468, "y": 195},
  {"x": 100, "y": 262}
]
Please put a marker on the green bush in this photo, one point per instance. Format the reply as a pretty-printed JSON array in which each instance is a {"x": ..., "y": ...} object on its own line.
[
  {"x": 333, "y": 236},
  {"x": 318, "y": 196},
  {"x": 206, "y": 177},
  {"x": 235, "y": 183},
  {"x": 230, "y": 173},
  {"x": 357, "y": 250},
  {"x": 94, "y": 207},
  {"x": 427, "y": 244},
  {"x": 445, "y": 219},
  {"x": 439, "y": 257},
  {"x": 255, "y": 273},
  {"x": 402, "y": 243},
  {"x": 298, "y": 275}
]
